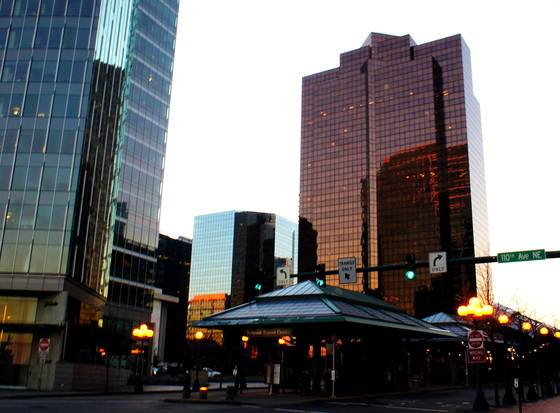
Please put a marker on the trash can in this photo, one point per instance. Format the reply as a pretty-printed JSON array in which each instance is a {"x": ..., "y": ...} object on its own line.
[
  {"x": 203, "y": 393},
  {"x": 230, "y": 393}
]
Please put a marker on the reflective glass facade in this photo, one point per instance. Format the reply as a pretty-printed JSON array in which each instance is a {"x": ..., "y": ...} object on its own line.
[
  {"x": 392, "y": 164},
  {"x": 84, "y": 100},
  {"x": 144, "y": 132},
  {"x": 233, "y": 250}
]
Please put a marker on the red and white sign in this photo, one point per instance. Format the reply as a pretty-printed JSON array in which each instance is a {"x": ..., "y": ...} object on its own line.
[
  {"x": 476, "y": 355},
  {"x": 475, "y": 339},
  {"x": 44, "y": 345}
]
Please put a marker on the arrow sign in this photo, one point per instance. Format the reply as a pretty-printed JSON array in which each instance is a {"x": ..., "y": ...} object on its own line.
[
  {"x": 438, "y": 262},
  {"x": 283, "y": 276}
]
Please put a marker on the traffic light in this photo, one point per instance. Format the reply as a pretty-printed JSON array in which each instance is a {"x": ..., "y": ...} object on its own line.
[
  {"x": 259, "y": 280},
  {"x": 410, "y": 273},
  {"x": 321, "y": 277}
]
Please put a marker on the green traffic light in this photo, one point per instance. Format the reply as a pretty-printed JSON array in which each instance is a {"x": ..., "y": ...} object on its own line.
[
  {"x": 410, "y": 274},
  {"x": 258, "y": 287},
  {"x": 320, "y": 283}
]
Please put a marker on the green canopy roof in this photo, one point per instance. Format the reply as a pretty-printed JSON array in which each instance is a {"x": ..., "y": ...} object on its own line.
[{"x": 306, "y": 303}]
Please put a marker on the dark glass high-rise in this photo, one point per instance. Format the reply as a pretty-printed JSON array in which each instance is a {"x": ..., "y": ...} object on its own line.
[{"x": 392, "y": 164}]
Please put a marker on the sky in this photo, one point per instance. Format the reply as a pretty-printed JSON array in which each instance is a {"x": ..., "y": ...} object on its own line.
[{"x": 234, "y": 126}]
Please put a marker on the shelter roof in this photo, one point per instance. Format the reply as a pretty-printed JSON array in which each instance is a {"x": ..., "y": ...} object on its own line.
[{"x": 306, "y": 303}]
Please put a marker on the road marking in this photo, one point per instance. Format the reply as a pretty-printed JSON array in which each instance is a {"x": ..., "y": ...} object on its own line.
[
  {"x": 298, "y": 411},
  {"x": 416, "y": 409}
]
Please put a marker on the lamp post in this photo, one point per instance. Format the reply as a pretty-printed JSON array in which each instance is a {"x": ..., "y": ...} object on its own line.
[
  {"x": 142, "y": 333},
  {"x": 245, "y": 341},
  {"x": 509, "y": 398},
  {"x": 477, "y": 310},
  {"x": 199, "y": 335},
  {"x": 531, "y": 392}
]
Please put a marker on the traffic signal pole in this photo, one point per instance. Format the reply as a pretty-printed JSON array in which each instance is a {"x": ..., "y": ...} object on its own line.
[{"x": 423, "y": 264}]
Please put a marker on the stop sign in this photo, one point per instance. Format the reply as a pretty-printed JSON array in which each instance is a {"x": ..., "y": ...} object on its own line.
[
  {"x": 475, "y": 339},
  {"x": 44, "y": 344}
]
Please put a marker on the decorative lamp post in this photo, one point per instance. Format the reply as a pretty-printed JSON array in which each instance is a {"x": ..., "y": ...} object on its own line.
[
  {"x": 199, "y": 335},
  {"x": 245, "y": 341},
  {"x": 531, "y": 392},
  {"x": 477, "y": 310},
  {"x": 142, "y": 332},
  {"x": 509, "y": 398}
]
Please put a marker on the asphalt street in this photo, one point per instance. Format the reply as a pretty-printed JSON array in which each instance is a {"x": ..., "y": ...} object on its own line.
[{"x": 442, "y": 401}]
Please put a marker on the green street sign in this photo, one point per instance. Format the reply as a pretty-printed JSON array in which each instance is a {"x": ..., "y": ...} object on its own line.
[{"x": 521, "y": 256}]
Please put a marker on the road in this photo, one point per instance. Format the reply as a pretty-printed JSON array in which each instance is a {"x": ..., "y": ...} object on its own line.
[
  {"x": 447, "y": 401},
  {"x": 156, "y": 402}
]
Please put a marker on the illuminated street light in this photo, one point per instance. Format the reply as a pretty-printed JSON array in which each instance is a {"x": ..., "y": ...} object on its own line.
[
  {"x": 476, "y": 309},
  {"x": 143, "y": 332},
  {"x": 199, "y": 335}
]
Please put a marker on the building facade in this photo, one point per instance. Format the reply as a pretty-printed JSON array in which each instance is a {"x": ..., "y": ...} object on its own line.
[
  {"x": 84, "y": 96},
  {"x": 392, "y": 164},
  {"x": 172, "y": 282},
  {"x": 232, "y": 252}
]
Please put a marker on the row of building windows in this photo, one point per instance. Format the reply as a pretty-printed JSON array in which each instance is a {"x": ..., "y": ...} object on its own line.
[
  {"x": 38, "y": 70},
  {"x": 47, "y": 8},
  {"x": 56, "y": 141},
  {"x": 58, "y": 105}
]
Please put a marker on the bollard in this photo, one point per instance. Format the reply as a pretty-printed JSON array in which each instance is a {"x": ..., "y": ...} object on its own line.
[
  {"x": 203, "y": 393},
  {"x": 230, "y": 393}
]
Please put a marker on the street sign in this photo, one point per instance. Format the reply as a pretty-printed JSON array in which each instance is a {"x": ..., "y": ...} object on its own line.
[
  {"x": 476, "y": 355},
  {"x": 283, "y": 275},
  {"x": 437, "y": 262},
  {"x": 44, "y": 345},
  {"x": 518, "y": 256},
  {"x": 475, "y": 339},
  {"x": 347, "y": 270}
]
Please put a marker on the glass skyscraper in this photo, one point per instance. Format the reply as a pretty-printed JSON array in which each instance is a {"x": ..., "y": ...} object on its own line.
[
  {"x": 84, "y": 100},
  {"x": 232, "y": 252},
  {"x": 392, "y": 164}
]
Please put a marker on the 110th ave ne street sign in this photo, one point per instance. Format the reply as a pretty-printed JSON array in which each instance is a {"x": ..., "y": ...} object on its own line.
[{"x": 521, "y": 256}]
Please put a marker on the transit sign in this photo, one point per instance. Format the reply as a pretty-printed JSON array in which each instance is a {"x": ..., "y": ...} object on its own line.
[
  {"x": 521, "y": 256},
  {"x": 347, "y": 270}
]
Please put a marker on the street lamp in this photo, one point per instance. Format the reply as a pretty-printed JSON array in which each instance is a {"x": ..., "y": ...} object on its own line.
[
  {"x": 526, "y": 326},
  {"x": 476, "y": 309},
  {"x": 142, "y": 332},
  {"x": 509, "y": 398},
  {"x": 199, "y": 335}
]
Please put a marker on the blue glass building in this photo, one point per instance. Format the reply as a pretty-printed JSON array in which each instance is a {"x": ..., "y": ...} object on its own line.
[
  {"x": 84, "y": 100},
  {"x": 233, "y": 251}
]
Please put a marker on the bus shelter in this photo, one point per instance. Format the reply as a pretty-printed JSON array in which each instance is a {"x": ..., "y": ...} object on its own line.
[{"x": 321, "y": 339}]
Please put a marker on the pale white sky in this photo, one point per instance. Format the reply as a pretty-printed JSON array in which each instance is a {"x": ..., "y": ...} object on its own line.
[{"x": 235, "y": 114}]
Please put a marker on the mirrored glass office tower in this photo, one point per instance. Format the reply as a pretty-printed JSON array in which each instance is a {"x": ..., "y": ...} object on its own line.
[
  {"x": 84, "y": 99},
  {"x": 392, "y": 164},
  {"x": 233, "y": 251}
]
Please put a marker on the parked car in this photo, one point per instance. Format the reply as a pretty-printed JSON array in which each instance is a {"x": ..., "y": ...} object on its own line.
[{"x": 211, "y": 372}]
